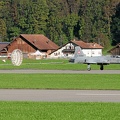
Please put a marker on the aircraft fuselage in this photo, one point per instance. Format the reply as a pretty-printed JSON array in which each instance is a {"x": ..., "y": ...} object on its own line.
[{"x": 79, "y": 57}]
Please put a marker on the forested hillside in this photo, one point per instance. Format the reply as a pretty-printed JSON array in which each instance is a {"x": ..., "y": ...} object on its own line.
[{"x": 62, "y": 20}]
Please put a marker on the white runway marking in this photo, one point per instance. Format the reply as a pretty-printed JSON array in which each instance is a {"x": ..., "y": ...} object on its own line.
[{"x": 98, "y": 94}]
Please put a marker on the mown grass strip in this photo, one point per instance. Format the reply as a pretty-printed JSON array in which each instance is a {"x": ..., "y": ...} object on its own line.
[
  {"x": 51, "y": 64},
  {"x": 59, "y": 111},
  {"x": 60, "y": 81}
]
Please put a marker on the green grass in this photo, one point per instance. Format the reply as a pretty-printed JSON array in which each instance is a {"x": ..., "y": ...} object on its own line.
[
  {"x": 60, "y": 81},
  {"x": 105, "y": 50},
  {"x": 59, "y": 111},
  {"x": 59, "y": 64}
]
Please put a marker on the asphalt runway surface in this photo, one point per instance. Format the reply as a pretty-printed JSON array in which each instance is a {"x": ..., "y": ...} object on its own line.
[
  {"x": 59, "y": 95},
  {"x": 63, "y": 71}
]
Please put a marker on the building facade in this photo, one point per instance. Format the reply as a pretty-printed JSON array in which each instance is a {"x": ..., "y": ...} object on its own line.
[
  {"x": 115, "y": 50},
  {"x": 30, "y": 43},
  {"x": 89, "y": 49}
]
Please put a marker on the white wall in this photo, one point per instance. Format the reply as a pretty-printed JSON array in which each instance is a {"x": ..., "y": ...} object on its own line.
[
  {"x": 92, "y": 52},
  {"x": 87, "y": 52},
  {"x": 60, "y": 54}
]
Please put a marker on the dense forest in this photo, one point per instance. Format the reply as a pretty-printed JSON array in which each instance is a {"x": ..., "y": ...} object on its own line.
[{"x": 62, "y": 20}]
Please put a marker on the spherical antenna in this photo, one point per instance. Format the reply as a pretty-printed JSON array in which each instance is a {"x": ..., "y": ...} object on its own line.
[{"x": 16, "y": 57}]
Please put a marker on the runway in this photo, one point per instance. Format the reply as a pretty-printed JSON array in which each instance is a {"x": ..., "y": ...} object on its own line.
[
  {"x": 63, "y": 71},
  {"x": 59, "y": 95}
]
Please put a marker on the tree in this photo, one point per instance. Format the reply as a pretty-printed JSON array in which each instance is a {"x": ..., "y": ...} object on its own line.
[
  {"x": 69, "y": 23},
  {"x": 40, "y": 16},
  {"x": 2, "y": 30},
  {"x": 115, "y": 26},
  {"x": 61, "y": 20},
  {"x": 54, "y": 23}
]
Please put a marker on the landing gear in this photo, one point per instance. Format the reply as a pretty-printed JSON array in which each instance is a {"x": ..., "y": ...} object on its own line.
[
  {"x": 88, "y": 67},
  {"x": 101, "y": 67}
]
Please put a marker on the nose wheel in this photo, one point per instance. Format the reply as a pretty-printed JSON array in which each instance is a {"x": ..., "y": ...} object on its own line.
[{"x": 88, "y": 67}]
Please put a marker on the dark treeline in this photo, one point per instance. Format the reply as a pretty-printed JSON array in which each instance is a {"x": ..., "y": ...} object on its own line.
[{"x": 62, "y": 20}]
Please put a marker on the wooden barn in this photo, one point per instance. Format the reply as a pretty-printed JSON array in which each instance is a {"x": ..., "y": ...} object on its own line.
[
  {"x": 115, "y": 50},
  {"x": 30, "y": 43},
  {"x": 3, "y": 50}
]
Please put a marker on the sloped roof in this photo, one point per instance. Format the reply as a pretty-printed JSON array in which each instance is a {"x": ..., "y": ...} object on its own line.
[
  {"x": 87, "y": 45},
  {"x": 40, "y": 41},
  {"x": 83, "y": 45},
  {"x": 117, "y": 46},
  {"x": 3, "y": 45},
  {"x": 94, "y": 45},
  {"x": 80, "y": 43}
]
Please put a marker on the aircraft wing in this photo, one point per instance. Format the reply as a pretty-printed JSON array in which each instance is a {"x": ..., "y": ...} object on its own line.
[{"x": 79, "y": 57}]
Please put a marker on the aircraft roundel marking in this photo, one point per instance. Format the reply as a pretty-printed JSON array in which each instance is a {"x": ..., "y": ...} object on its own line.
[{"x": 78, "y": 52}]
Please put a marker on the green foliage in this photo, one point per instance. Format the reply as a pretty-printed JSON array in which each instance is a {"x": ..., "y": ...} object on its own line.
[
  {"x": 14, "y": 31},
  {"x": 104, "y": 40},
  {"x": 70, "y": 22},
  {"x": 115, "y": 26},
  {"x": 62, "y": 20},
  {"x": 2, "y": 30}
]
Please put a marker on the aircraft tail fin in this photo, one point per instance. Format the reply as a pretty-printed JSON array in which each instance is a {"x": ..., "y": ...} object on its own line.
[{"x": 78, "y": 52}]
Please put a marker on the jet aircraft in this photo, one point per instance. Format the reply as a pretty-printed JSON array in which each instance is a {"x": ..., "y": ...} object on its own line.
[{"x": 80, "y": 57}]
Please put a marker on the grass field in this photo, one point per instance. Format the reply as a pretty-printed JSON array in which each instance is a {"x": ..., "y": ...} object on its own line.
[
  {"x": 59, "y": 111},
  {"x": 59, "y": 64},
  {"x": 60, "y": 81}
]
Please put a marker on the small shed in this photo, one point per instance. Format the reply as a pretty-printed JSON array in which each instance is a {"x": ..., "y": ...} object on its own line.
[{"x": 115, "y": 50}]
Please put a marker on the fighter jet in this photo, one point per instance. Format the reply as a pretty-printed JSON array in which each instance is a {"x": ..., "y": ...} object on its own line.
[{"x": 80, "y": 57}]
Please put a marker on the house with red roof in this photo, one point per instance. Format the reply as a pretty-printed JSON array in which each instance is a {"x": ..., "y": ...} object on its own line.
[
  {"x": 67, "y": 50},
  {"x": 30, "y": 43},
  {"x": 38, "y": 44}
]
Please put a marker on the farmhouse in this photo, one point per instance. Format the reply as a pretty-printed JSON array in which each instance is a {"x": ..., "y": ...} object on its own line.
[
  {"x": 115, "y": 50},
  {"x": 30, "y": 43},
  {"x": 89, "y": 49}
]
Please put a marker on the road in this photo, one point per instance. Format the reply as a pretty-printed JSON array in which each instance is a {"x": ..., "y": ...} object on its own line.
[
  {"x": 63, "y": 71},
  {"x": 59, "y": 95}
]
